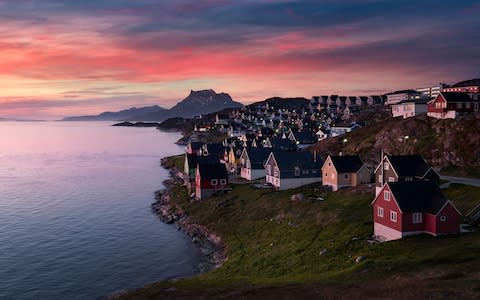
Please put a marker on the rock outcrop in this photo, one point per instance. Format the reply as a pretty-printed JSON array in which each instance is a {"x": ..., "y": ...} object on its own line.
[{"x": 208, "y": 241}]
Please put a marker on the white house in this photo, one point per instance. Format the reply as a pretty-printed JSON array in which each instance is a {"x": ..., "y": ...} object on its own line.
[{"x": 407, "y": 109}]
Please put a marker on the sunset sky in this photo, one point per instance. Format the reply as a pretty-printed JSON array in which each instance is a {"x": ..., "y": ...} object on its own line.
[{"x": 63, "y": 58}]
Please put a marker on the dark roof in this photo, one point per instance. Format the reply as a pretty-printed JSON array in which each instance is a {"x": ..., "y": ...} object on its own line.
[
  {"x": 465, "y": 83},
  {"x": 218, "y": 149},
  {"x": 409, "y": 165},
  {"x": 258, "y": 156},
  {"x": 305, "y": 137},
  {"x": 285, "y": 144},
  {"x": 207, "y": 160},
  {"x": 418, "y": 196},
  {"x": 213, "y": 171},
  {"x": 347, "y": 163},
  {"x": 456, "y": 97},
  {"x": 267, "y": 131},
  {"x": 287, "y": 161},
  {"x": 196, "y": 145}
]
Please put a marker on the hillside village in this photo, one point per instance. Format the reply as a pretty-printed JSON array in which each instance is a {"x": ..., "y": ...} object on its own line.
[
  {"x": 274, "y": 144},
  {"x": 359, "y": 213}
]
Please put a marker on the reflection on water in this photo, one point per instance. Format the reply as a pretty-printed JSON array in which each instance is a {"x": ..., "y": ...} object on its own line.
[{"x": 75, "y": 221}]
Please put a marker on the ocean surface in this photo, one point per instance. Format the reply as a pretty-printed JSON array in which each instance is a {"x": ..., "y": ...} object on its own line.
[{"x": 75, "y": 218}]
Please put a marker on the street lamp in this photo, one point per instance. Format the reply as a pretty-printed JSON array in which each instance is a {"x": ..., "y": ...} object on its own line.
[{"x": 405, "y": 138}]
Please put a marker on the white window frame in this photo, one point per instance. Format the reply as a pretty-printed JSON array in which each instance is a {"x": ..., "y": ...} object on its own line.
[
  {"x": 417, "y": 218},
  {"x": 346, "y": 177},
  {"x": 380, "y": 212},
  {"x": 386, "y": 195},
  {"x": 443, "y": 218},
  {"x": 386, "y": 166},
  {"x": 391, "y": 179},
  {"x": 276, "y": 172},
  {"x": 296, "y": 171},
  {"x": 214, "y": 182},
  {"x": 393, "y": 216},
  {"x": 380, "y": 179},
  {"x": 223, "y": 181}
]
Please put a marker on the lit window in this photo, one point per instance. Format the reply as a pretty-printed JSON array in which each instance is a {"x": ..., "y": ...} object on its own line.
[
  {"x": 417, "y": 218},
  {"x": 393, "y": 216},
  {"x": 386, "y": 195},
  {"x": 214, "y": 181},
  {"x": 380, "y": 211},
  {"x": 380, "y": 178}
]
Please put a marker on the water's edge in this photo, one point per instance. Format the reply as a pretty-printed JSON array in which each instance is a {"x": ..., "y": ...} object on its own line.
[{"x": 208, "y": 241}]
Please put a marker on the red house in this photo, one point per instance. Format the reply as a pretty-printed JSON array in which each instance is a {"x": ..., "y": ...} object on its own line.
[
  {"x": 413, "y": 207},
  {"x": 450, "y": 105},
  {"x": 210, "y": 179}
]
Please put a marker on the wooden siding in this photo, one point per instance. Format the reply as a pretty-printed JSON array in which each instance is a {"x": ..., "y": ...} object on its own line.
[
  {"x": 388, "y": 206},
  {"x": 451, "y": 225},
  {"x": 329, "y": 174}
]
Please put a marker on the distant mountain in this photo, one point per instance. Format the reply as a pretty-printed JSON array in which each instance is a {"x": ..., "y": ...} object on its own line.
[
  {"x": 127, "y": 114},
  {"x": 197, "y": 103},
  {"x": 203, "y": 102}
]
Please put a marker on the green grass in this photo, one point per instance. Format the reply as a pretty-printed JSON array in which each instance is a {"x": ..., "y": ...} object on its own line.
[
  {"x": 465, "y": 197},
  {"x": 272, "y": 240},
  {"x": 177, "y": 161}
]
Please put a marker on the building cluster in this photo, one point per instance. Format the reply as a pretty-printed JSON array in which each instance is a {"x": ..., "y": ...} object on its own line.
[
  {"x": 266, "y": 143},
  {"x": 441, "y": 102},
  {"x": 408, "y": 199}
]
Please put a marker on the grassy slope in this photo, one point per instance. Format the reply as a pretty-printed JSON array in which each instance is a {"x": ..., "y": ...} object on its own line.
[{"x": 273, "y": 241}]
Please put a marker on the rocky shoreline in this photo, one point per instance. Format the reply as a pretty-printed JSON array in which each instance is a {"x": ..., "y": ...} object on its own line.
[{"x": 209, "y": 242}]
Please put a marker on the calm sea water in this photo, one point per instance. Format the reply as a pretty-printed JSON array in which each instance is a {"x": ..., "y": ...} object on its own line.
[{"x": 75, "y": 219}]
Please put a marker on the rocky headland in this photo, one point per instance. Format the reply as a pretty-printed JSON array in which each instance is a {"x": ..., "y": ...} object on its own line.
[
  {"x": 209, "y": 242},
  {"x": 137, "y": 124}
]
